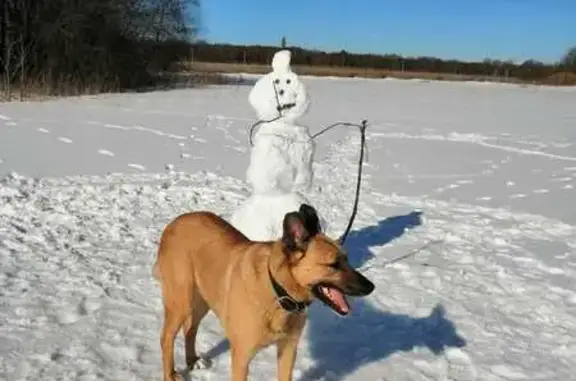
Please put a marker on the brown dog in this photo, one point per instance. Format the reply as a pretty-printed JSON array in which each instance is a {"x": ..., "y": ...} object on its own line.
[{"x": 258, "y": 290}]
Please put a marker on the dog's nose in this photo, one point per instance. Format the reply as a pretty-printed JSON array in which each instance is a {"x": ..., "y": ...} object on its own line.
[
  {"x": 365, "y": 286},
  {"x": 359, "y": 285},
  {"x": 369, "y": 287}
]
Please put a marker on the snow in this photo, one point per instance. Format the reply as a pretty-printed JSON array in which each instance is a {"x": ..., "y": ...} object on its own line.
[
  {"x": 281, "y": 160},
  {"x": 89, "y": 182}
]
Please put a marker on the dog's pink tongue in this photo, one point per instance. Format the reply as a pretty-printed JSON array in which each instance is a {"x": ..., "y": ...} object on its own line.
[{"x": 339, "y": 299}]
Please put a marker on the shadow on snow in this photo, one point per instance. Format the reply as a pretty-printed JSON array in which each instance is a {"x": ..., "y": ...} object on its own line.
[
  {"x": 341, "y": 346},
  {"x": 359, "y": 242}
]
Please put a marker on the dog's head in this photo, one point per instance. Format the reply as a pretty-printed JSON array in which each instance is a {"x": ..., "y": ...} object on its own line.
[{"x": 319, "y": 263}]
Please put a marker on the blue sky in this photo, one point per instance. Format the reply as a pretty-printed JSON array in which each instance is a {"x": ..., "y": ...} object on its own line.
[{"x": 464, "y": 29}]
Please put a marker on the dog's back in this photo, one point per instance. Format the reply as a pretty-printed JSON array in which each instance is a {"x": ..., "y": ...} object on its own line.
[{"x": 188, "y": 236}]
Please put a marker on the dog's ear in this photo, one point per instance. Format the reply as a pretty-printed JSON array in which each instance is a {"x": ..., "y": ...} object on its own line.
[
  {"x": 295, "y": 235},
  {"x": 311, "y": 220}
]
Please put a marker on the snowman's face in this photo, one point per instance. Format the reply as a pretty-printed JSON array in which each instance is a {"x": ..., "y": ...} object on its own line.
[
  {"x": 279, "y": 94},
  {"x": 286, "y": 89},
  {"x": 290, "y": 95}
]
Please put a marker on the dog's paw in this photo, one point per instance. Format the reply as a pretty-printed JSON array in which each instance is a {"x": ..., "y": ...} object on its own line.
[
  {"x": 177, "y": 377},
  {"x": 201, "y": 363}
]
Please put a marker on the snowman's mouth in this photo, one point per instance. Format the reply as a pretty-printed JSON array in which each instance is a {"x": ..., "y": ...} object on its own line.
[{"x": 286, "y": 106}]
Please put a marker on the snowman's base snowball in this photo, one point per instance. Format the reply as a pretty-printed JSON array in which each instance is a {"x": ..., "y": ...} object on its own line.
[{"x": 260, "y": 217}]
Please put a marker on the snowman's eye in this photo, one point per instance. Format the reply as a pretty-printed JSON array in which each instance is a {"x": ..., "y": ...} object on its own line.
[
  {"x": 276, "y": 81},
  {"x": 288, "y": 81}
]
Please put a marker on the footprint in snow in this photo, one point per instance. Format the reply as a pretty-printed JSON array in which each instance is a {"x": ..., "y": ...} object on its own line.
[
  {"x": 561, "y": 179},
  {"x": 21, "y": 370},
  {"x": 65, "y": 140},
  {"x": 67, "y": 316},
  {"x": 71, "y": 314},
  {"x": 89, "y": 305},
  {"x": 508, "y": 372},
  {"x": 486, "y": 198},
  {"x": 540, "y": 191},
  {"x": 459, "y": 365},
  {"x": 137, "y": 166},
  {"x": 518, "y": 195},
  {"x": 105, "y": 152},
  {"x": 43, "y": 130}
]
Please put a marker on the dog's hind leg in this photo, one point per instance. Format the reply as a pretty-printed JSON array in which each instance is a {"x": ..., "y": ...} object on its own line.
[
  {"x": 177, "y": 308},
  {"x": 190, "y": 329}
]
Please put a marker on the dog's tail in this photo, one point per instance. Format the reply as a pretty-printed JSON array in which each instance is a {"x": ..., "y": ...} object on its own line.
[{"x": 156, "y": 271}]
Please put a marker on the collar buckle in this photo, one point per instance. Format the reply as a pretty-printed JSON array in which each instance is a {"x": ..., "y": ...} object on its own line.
[{"x": 288, "y": 303}]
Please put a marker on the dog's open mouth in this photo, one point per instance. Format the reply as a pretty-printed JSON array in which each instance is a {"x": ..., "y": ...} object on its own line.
[{"x": 332, "y": 297}]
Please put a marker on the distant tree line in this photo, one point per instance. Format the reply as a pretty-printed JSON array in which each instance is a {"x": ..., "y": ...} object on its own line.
[
  {"x": 258, "y": 54},
  {"x": 78, "y": 45}
]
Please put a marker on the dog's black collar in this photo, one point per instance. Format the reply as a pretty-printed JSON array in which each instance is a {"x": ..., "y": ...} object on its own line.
[{"x": 288, "y": 303}]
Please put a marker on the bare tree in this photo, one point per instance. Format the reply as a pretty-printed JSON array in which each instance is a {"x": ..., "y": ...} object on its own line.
[
  {"x": 569, "y": 59},
  {"x": 71, "y": 45}
]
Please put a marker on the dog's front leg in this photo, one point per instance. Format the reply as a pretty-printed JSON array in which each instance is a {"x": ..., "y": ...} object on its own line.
[
  {"x": 286, "y": 354},
  {"x": 287, "y": 347},
  {"x": 241, "y": 358}
]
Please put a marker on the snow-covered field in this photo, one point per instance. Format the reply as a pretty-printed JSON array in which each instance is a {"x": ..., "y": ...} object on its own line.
[{"x": 88, "y": 183}]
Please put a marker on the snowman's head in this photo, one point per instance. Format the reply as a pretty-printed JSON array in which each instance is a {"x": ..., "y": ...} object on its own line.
[{"x": 279, "y": 93}]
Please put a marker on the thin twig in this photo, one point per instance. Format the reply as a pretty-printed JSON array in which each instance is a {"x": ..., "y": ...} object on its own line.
[{"x": 412, "y": 252}]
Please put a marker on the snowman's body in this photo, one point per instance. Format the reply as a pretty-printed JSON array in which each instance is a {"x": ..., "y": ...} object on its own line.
[{"x": 281, "y": 159}]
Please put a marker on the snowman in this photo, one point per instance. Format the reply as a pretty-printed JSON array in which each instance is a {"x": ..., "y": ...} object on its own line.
[{"x": 280, "y": 168}]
